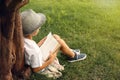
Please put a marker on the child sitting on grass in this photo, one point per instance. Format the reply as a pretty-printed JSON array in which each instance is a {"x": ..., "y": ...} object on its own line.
[{"x": 31, "y": 23}]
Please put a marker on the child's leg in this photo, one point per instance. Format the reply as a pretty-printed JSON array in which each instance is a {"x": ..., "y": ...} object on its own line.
[{"x": 64, "y": 47}]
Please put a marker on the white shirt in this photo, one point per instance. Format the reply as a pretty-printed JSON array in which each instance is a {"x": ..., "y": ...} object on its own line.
[{"x": 33, "y": 55}]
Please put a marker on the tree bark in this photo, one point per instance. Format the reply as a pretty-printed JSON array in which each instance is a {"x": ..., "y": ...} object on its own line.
[{"x": 11, "y": 40}]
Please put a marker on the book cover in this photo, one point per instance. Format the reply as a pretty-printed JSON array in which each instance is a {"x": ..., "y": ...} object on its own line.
[{"x": 50, "y": 44}]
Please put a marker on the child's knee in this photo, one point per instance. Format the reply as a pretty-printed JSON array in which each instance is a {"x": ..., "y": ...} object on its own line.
[{"x": 56, "y": 36}]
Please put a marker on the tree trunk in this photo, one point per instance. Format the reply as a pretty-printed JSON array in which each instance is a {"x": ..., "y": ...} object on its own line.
[{"x": 11, "y": 40}]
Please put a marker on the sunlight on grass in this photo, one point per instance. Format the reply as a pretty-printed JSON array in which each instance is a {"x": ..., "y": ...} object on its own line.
[{"x": 106, "y": 3}]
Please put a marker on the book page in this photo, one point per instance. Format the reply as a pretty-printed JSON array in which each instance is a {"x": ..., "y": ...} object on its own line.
[{"x": 50, "y": 44}]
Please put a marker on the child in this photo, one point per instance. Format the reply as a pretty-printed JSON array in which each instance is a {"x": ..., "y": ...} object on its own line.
[{"x": 31, "y": 23}]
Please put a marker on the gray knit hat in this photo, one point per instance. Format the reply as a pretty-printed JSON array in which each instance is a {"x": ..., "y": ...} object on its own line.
[{"x": 31, "y": 21}]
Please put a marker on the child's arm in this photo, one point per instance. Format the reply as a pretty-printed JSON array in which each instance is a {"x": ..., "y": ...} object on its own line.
[
  {"x": 48, "y": 62},
  {"x": 41, "y": 41}
]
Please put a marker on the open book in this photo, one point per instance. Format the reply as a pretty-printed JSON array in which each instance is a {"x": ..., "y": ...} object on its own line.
[{"x": 50, "y": 44}]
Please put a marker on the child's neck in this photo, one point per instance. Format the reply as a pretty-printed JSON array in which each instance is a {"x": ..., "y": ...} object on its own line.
[{"x": 29, "y": 37}]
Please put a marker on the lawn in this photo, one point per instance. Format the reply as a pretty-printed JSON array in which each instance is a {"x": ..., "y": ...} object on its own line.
[{"x": 93, "y": 26}]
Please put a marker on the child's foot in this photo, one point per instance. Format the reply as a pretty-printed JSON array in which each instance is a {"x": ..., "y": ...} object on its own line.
[
  {"x": 76, "y": 51},
  {"x": 78, "y": 56}
]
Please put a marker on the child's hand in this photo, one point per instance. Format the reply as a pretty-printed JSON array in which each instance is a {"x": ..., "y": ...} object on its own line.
[
  {"x": 52, "y": 56},
  {"x": 41, "y": 41}
]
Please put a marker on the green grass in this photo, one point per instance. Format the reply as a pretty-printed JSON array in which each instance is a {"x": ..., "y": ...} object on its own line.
[{"x": 90, "y": 25}]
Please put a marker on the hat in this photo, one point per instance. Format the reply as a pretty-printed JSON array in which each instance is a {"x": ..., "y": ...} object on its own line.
[{"x": 31, "y": 21}]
